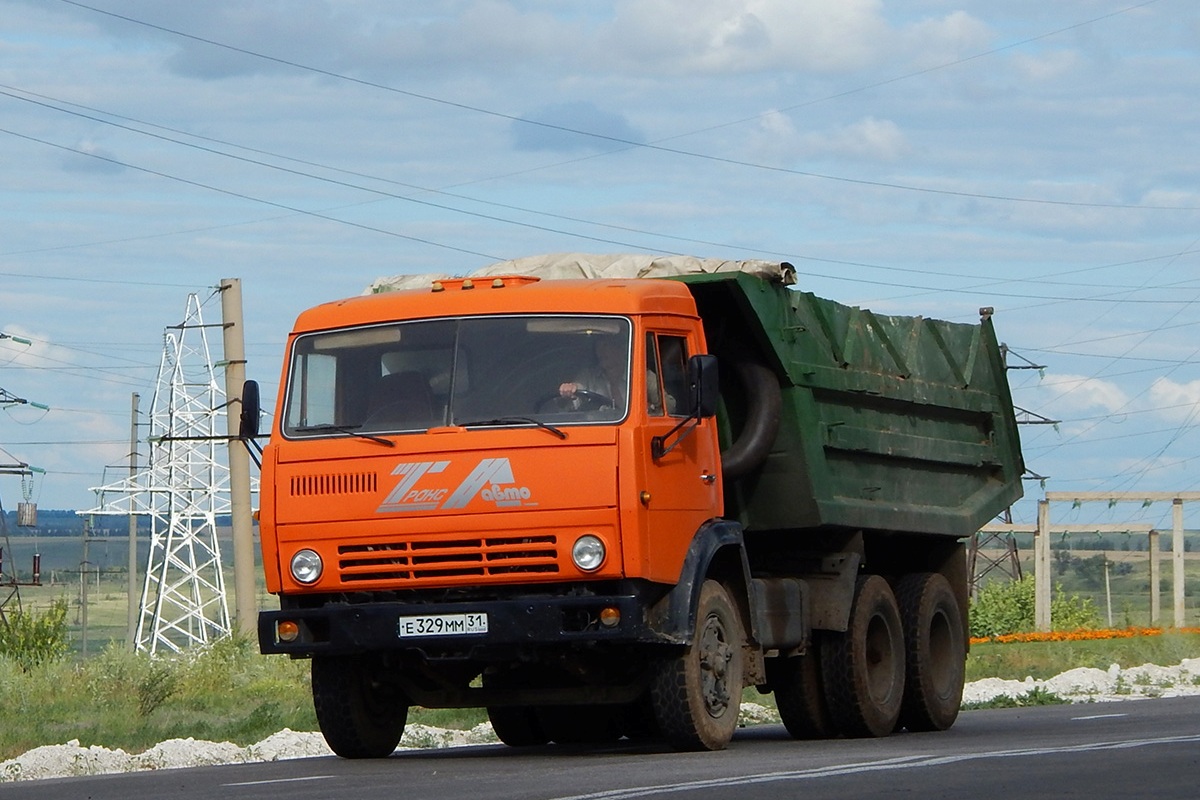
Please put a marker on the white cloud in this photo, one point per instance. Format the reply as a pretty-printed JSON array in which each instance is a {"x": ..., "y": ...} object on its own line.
[
  {"x": 1050, "y": 66},
  {"x": 868, "y": 139},
  {"x": 747, "y": 35},
  {"x": 1064, "y": 396},
  {"x": 939, "y": 40},
  {"x": 776, "y": 139},
  {"x": 1178, "y": 402}
]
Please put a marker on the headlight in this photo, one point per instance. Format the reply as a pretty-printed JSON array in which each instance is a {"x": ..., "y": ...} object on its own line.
[
  {"x": 588, "y": 552},
  {"x": 307, "y": 566}
]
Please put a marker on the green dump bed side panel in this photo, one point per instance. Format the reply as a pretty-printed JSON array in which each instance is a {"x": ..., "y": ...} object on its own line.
[{"x": 889, "y": 423}]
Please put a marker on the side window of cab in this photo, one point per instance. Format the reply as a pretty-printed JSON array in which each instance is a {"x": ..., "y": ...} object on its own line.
[{"x": 666, "y": 374}]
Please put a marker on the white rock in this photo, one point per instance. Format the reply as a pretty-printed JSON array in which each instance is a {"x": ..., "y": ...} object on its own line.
[
  {"x": 288, "y": 744},
  {"x": 1081, "y": 681}
]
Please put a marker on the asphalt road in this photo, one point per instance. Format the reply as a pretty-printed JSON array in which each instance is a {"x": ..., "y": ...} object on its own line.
[{"x": 1125, "y": 751}]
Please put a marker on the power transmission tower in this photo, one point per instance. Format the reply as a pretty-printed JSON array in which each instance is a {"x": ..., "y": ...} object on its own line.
[
  {"x": 10, "y": 582},
  {"x": 982, "y": 559},
  {"x": 183, "y": 490}
]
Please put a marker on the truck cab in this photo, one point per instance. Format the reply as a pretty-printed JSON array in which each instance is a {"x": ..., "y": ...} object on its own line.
[
  {"x": 430, "y": 443},
  {"x": 483, "y": 476}
]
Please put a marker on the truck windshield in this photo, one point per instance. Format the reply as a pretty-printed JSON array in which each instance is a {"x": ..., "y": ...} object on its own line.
[{"x": 471, "y": 371}]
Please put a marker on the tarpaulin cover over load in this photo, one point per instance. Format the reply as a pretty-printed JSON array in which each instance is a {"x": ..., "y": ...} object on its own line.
[{"x": 563, "y": 266}]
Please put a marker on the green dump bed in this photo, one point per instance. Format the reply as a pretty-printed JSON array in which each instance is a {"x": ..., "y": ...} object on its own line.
[{"x": 887, "y": 423}]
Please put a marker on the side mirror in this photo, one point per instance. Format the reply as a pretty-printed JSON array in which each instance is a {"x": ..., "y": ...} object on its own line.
[
  {"x": 702, "y": 377},
  {"x": 251, "y": 411}
]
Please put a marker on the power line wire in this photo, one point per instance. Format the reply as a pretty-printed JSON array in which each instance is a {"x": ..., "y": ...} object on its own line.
[
  {"x": 650, "y": 145},
  {"x": 12, "y": 90}
]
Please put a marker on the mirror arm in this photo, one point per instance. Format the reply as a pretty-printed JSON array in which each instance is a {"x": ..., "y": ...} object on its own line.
[
  {"x": 254, "y": 449},
  {"x": 658, "y": 444}
]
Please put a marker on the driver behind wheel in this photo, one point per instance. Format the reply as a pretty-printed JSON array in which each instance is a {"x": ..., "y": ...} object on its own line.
[{"x": 605, "y": 377}]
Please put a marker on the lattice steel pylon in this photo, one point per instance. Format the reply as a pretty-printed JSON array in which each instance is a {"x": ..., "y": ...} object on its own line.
[{"x": 183, "y": 490}]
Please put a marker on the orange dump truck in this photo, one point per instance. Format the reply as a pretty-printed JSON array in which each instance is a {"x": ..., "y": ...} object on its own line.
[{"x": 603, "y": 506}]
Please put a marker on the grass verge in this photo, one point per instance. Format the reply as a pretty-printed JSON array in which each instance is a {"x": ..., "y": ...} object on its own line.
[
  {"x": 229, "y": 692},
  {"x": 1041, "y": 660}
]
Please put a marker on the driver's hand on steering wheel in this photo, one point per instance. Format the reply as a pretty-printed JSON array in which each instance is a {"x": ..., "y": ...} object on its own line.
[{"x": 568, "y": 389}]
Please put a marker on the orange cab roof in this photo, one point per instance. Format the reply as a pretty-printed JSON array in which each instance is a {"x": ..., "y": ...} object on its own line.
[{"x": 503, "y": 295}]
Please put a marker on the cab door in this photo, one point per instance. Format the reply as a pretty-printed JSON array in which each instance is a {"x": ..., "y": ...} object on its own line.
[{"x": 683, "y": 487}]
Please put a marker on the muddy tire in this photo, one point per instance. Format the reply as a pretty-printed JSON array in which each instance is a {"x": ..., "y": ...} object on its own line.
[
  {"x": 361, "y": 711},
  {"x": 800, "y": 693},
  {"x": 935, "y": 652},
  {"x": 863, "y": 668},
  {"x": 697, "y": 694}
]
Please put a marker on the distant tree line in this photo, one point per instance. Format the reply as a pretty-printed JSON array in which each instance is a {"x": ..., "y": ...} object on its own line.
[
  {"x": 60, "y": 522},
  {"x": 1131, "y": 542}
]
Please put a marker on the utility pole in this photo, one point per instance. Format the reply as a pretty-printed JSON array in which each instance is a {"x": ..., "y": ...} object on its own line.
[
  {"x": 83, "y": 586},
  {"x": 1177, "y": 550},
  {"x": 246, "y": 610}
]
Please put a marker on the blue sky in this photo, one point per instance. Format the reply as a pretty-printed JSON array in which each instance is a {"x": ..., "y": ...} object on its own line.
[{"x": 920, "y": 157}]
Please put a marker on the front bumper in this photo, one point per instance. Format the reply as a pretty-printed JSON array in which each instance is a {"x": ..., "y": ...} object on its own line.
[{"x": 513, "y": 624}]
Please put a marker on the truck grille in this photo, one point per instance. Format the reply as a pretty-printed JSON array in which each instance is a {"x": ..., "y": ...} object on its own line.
[{"x": 416, "y": 561}]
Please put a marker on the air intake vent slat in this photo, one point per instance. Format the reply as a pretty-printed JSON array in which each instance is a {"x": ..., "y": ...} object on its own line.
[{"x": 335, "y": 483}]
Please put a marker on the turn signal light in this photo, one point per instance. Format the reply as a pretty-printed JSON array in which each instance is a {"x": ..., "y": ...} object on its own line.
[
  {"x": 610, "y": 617},
  {"x": 287, "y": 631}
]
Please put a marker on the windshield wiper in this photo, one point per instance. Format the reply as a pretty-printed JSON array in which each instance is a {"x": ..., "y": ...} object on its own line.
[
  {"x": 515, "y": 420},
  {"x": 350, "y": 429}
]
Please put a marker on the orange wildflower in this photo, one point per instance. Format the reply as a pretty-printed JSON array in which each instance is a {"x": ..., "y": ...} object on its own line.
[{"x": 1081, "y": 634}]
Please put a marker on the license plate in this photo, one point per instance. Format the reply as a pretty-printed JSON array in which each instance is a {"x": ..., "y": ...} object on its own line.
[{"x": 442, "y": 625}]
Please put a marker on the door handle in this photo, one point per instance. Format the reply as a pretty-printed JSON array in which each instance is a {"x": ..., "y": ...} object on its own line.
[{"x": 708, "y": 477}]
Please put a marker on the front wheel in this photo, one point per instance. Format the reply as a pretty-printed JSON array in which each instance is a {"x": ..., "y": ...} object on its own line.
[
  {"x": 697, "y": 695},
  {"x": 361, "y": 711}
]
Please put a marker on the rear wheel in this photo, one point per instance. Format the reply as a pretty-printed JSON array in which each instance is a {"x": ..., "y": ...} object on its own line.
[
  {"x": 863, "y": 668},
  {"x": 800, "y": 693},
  {"x": 935, "y": 652},
  {"x": 361, "y": 710},
  {"x": 697, "y": 694}
]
